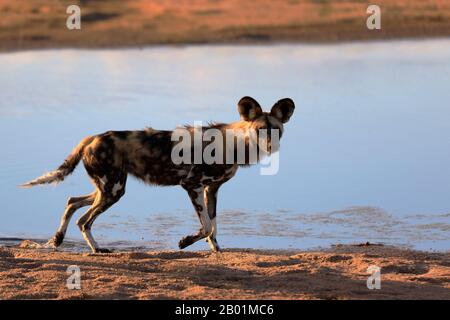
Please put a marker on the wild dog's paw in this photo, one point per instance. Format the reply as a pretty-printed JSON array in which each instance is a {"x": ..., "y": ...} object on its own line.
[
  {"x": 213, "y": 244},
  {"x": 56, "y": 241},
  {"x": 186, "y": 241},
  {"x": 216, "y": 249}
]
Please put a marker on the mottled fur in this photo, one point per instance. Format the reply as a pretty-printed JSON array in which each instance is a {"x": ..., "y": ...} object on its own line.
[{"x": 146, "y": 155}]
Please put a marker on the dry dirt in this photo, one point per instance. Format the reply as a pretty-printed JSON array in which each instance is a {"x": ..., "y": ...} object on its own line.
[
  {"x": 33, "y": 24},
  {"x": 336, "y": 273}
]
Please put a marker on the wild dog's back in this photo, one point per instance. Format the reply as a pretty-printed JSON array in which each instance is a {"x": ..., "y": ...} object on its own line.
[{"x": 146, "y": 154}]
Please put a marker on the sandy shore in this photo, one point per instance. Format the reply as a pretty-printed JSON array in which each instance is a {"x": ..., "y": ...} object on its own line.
[
  {"x": 336, "y": 273},
  {"x": 115, "y": 23}
]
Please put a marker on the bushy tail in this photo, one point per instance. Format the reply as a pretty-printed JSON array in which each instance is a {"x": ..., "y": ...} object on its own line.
[{"x": 64, "y": 170}]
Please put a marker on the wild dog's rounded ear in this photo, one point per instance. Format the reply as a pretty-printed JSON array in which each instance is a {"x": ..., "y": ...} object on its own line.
[
  {"x": 249, "y": 109},
  {"x": 283, "y": 109}
]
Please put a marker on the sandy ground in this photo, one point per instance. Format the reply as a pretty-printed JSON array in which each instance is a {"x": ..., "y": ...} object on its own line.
[
  {"x": 33, "y": 24},
  {"x": 336, "y": 273}
]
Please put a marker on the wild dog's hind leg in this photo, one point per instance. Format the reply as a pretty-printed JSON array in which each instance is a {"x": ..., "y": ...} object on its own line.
[
  {"x": 211, "y": 204},
  {"x": 198, "y": 200},
  {"x": 73, "y": 204},
  {"x": 110, "y": 189}
]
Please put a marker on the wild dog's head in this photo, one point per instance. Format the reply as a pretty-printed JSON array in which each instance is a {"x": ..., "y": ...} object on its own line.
[{"x": 263, "y": 123}]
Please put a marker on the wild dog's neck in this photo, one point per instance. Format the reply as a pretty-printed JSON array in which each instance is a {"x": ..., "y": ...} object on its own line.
[
  {"x": 235, "y": 143},
  {"x": 243, "y": 145},
  {"x": 238, "y": 127}
]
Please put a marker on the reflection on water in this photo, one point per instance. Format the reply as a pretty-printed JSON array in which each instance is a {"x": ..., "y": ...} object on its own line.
[{"x": 370, "y": 131}]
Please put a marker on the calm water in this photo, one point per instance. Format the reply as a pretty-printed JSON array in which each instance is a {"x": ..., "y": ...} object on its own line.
[{"x": 366, "y": 156}]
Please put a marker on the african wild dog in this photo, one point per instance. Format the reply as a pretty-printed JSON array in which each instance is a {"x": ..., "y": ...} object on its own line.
[{"x": 146, "y": 154}]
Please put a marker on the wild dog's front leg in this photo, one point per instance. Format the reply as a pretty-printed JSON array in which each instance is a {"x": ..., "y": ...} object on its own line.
[
  {"x": 211, "y": 204},
  {"x": 198, "y": 200}
]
